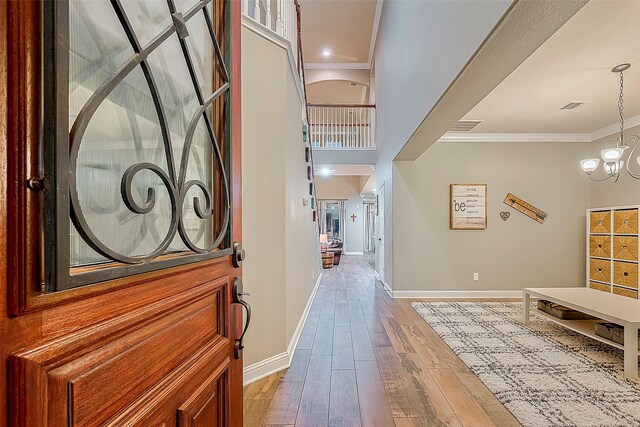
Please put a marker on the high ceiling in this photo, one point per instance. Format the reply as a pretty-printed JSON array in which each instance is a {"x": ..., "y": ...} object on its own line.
[
  {"x": 572, "y": 66},
  {"x": 344, "y": 27}
]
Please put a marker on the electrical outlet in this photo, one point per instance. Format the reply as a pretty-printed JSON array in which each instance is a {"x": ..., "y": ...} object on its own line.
[{"x": 476, "y": 276}]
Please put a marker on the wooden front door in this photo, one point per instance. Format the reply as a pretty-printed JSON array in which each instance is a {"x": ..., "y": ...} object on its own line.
[{"x": 120, "y": 213}]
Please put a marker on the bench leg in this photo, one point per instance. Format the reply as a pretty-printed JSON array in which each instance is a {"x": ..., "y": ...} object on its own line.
[
  {"x": 630, "y": 352},
  {"x": 526, "y": 306}
]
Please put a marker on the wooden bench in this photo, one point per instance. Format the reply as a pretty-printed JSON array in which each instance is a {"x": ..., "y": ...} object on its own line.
[{"x": 605, "y": 306}]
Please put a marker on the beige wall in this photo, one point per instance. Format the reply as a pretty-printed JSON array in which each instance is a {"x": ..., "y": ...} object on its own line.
[
  {"x": 624, "y": 192},
  {"x": 279, "y": 235},
  {"x": 508, "y": 255},
  {"x": 301, "y": 255},
  {"x": 338, "y": 187},
  {"x": 419, "y": 52}
]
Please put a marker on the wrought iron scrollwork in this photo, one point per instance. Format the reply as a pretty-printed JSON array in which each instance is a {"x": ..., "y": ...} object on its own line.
[{"x": 174, "y": 180}]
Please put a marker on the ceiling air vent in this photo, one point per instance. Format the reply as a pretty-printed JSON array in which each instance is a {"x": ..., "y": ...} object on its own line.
[
  {"x": 573, "y": 105},
  {"x": 465, "y": 125}
]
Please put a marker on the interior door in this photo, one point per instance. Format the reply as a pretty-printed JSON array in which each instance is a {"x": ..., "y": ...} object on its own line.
[
  {"x": 380, "y": 229},
  {"x": 120, "y": 209}
]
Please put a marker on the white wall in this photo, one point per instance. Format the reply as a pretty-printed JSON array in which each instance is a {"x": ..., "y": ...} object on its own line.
[
  {"x": 346, "y": 187},
  {"x": 421, "y": 47},
  {"x": 508, "y": 255},
  {"x": 279, "y": 235}
]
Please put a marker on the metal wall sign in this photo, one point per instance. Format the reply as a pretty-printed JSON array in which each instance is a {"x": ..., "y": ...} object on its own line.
[{"x": 172, "y": 234}]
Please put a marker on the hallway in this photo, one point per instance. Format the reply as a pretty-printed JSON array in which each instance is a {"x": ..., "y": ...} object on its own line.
[{"x": 367, "y": 359}]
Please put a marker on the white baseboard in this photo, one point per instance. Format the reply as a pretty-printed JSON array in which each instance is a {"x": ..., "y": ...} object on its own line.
[
  {"x": 271, "y": 365},
  {"x": 387, "y": 288},
  {"x": 456, "y": 294},
  {"x": 303, "y": 319},
  {"x": 385, "y": 285},
  {"x": 266, "y": 367},
  {"x": 354, "y": 253}
]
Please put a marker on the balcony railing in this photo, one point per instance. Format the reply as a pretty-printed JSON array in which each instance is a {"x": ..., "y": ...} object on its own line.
[
  {"x": 279, "y": 16},
  {"x": 342, "y": 126}
]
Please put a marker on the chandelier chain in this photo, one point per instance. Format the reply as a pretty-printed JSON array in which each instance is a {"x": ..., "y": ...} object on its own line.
[{"x": 621, "y": 107}]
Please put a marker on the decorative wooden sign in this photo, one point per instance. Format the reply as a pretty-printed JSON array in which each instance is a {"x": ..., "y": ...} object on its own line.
[
  {"x": 468, "y": 207},
  {"x": 525, "y": 208}
]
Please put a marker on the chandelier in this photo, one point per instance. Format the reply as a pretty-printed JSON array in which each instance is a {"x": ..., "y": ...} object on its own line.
[{"x": 614, "y": 150}]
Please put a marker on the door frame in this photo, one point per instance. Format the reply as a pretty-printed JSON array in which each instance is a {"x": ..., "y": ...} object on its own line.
[
  {"x": 31, "y": 319},
  {"x": 380, "y": 267}
]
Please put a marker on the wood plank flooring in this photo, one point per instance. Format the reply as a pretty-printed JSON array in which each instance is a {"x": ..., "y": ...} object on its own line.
[{"x": 365, "y": 359}]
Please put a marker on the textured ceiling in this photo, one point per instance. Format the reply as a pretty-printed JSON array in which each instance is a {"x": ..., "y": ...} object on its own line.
[{"x": 573, "y": 65}]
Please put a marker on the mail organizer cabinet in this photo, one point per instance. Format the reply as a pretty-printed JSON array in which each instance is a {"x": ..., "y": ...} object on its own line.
[{"x": 613, "y": 250}]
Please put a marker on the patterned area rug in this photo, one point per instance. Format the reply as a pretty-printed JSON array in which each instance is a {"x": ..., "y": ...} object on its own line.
[{"x": 544, "y": 374}]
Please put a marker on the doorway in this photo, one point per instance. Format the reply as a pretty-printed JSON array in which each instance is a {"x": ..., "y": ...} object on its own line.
[{"x": 332, "y": 219}]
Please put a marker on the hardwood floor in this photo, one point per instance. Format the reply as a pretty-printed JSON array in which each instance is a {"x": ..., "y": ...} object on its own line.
[{"x": 365, "y": 359}]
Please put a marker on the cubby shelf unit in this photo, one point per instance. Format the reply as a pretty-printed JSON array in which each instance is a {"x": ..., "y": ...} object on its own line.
[{"x": 613, "y": 250}]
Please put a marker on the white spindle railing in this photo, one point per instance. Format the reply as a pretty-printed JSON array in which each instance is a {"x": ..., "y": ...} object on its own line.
[
  {"x": 283, "y": 22},
  {"x": 342, "y": 126}
]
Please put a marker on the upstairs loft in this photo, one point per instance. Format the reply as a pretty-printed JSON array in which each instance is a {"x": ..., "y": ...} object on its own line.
[
  {"x": 349, "y": 127},
  {"x": 343, "y": 134}
]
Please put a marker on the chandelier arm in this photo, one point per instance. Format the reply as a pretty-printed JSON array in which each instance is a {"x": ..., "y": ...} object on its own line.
[
  {"x": 599, "y": 179},
  {"x": 615, "y": 177},
  {"x": 634, "y": 139}
]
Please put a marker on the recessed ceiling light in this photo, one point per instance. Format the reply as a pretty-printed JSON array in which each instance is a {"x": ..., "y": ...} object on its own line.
[{"x": 326, "y": 52}]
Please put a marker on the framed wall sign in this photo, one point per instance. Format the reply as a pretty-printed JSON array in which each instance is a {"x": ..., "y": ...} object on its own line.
[{"x": 468, "y": 207}]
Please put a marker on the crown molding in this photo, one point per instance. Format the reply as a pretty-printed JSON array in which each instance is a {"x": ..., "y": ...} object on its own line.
[
  {"x": 539, "y": 137},
  {"x": 514, "y": 137},
  {"x": 374, "y": 31},
  {"x": 336, "y": 66},
  {"x": 615, "y": 128}
]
